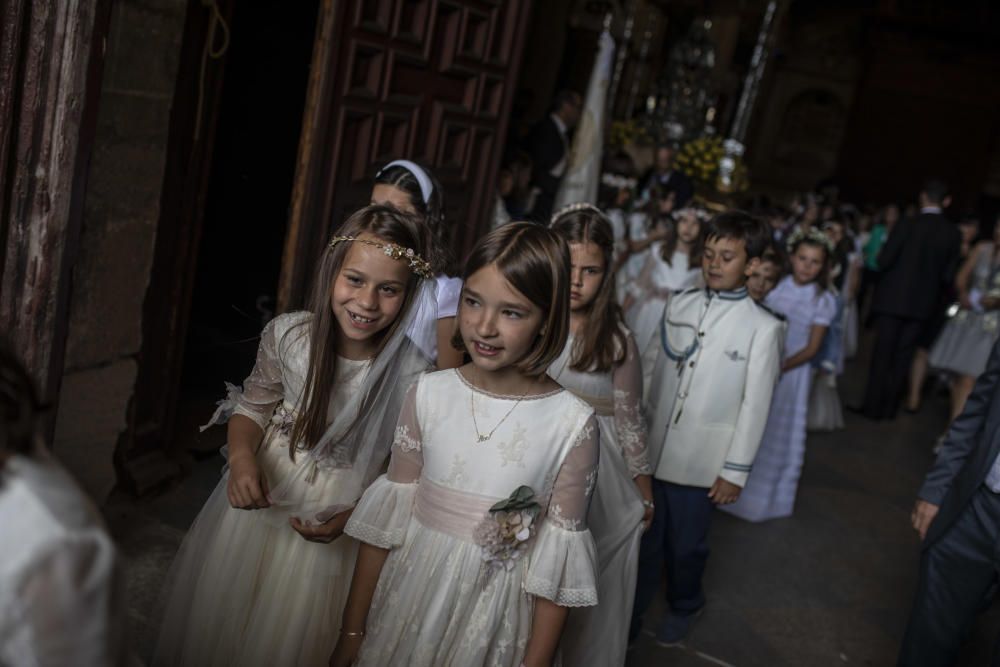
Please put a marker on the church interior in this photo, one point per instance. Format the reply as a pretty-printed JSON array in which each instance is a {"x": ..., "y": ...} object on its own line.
[{"x": 171, "y": 170}]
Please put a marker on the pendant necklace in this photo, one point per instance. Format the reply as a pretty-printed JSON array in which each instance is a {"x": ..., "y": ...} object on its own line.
[{"x": 472, "y": 405}]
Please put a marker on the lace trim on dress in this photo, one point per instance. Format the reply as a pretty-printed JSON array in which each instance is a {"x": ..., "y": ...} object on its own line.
[
  {"x": 505, "y": 397},
  {"x": 406, "y": 442},
  {"x": 378, "y": 537},
  {"x": 564, "y": 597}
]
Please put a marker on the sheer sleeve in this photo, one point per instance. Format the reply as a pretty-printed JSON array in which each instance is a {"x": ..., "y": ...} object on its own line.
[
  {"x": 262, "y": 390},
  {"x": 383, "y": 513},
  {"x": 563, "y": 564},
  {"x": 629, "y": 425}
]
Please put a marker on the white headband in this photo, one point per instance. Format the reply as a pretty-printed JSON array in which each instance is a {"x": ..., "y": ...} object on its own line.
[{"x": 426, "y": 187}]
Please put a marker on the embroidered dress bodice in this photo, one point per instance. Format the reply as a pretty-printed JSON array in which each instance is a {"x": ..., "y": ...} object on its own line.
[{"x": 437, "y": 602}]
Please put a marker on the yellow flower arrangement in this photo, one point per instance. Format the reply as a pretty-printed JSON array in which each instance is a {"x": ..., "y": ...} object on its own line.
[{"x": 699, "y": 160}]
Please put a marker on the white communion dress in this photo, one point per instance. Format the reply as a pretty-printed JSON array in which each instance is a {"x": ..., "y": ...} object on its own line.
[
  {"x": 245, "y": 588},
  {"x": 653, "y": 287},
  {"x": 599, "y": 635},
  {"x": 438, "y": 603}
]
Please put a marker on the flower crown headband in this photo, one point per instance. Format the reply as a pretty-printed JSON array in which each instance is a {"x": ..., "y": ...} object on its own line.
[
  {"x": 574, "y": 208},
  {"x": 418, "y": 264},
  {"x": 812, "y": 235}
]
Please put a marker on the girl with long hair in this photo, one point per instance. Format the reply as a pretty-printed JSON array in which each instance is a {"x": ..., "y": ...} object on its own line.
[
  {"x": 264, "y": 571},
  {"x": 475, "y": 542},
  {"x": 672, "y": 263},
  {"x": 600, "y": 364}
]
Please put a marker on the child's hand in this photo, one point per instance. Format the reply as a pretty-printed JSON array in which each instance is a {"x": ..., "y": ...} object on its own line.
[
  {"x": 723, "y": 492},
  {"x": 323, "y": 533},
  {"x": 247, "y": 486}
]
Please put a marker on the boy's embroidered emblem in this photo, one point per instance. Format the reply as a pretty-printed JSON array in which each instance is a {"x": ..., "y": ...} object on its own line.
[{"x": 734, "y": 355}]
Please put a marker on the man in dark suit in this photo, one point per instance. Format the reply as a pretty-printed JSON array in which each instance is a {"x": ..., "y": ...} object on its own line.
[
  {"x": 916, "y": 263},
  {"x": 548, "y": 145},
  {"x": 957, "y": 514},
  {"x": 665, "y": 179}
]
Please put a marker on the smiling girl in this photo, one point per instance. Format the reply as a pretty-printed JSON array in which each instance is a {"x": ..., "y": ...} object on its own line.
[
  {"x": 809, "y": 307},
  {"x": 257, "y": 580},
  {"x": 475, "y": 542},
  {"x": 600, "y": 364}
]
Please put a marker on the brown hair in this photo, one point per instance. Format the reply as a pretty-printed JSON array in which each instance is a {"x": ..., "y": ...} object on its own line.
[
  {"x": 386, "y": 224},
  {"x": 398, "y": 176},
  {"x": 670, "y": 244},
  {"x": 602, "y": 344},
  {"x": 739, "y": 226},
  {"x": 19, "y": 406},
  {"x": 535, "y": 261},
  {"x": 823, "y": 278}
]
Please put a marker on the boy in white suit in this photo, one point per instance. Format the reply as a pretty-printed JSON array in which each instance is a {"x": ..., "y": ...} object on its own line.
[{"x": 710, "y": 374}]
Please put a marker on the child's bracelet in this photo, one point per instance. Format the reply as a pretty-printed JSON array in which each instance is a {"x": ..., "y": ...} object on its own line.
[
  {"x": 648, "y": 504},
  {"x": 352, "y": 634}
]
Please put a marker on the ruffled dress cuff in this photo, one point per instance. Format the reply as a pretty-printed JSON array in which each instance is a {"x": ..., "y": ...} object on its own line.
[
  {"x": 563, "y": 567},
  {"x": 383, "y": 513},
  {"x": 226, "y": 407}
]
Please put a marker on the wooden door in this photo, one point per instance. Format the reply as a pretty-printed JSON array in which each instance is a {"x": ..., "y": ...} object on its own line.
[{"x": 428, "y": 80}]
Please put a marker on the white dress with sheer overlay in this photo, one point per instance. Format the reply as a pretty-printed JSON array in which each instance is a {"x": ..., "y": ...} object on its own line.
[
  {"x": 653, "y": 287},
  {"x": 599, "y": 635},
  {"x": 437, "y": 603},
  {"x": 245, "y": 588}
]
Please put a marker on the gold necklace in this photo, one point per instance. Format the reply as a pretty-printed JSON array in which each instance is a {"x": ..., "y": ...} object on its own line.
[{"x": 472, "y": 405}]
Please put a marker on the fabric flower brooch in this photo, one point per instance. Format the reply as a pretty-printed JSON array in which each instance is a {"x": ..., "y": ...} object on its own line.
[{"x": 503, "y": 535}]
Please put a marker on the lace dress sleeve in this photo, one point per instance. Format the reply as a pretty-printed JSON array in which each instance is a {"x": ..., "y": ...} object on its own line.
[
  {"x": 383, "y": 513},
  {"x": 629, "y": 425},
  {"x": 563, "y": 563},
  {"x": 262, "y": 390}
]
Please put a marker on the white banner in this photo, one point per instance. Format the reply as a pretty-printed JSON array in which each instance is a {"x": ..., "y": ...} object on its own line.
[{"x": 583, "y": 174}]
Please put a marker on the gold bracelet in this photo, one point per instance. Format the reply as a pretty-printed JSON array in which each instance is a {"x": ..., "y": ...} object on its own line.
[{"x": 352, "y": 634}]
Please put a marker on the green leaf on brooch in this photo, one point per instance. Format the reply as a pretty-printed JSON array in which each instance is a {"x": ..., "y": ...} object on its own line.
[{"x": 522, "y": 499}]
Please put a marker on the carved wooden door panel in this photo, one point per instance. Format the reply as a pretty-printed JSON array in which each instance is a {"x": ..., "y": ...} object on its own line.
[{"x": 428, "y": 80}]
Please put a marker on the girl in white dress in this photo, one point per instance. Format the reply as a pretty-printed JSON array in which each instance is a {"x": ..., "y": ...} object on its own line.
[
  {"x": 671, "y": 264},
  {"x": 62, "y": 593},
  {"x": 413, "y": 189},
  {"x": 600, "y": 364},
  {"x": 475, "y": 542},
  {"x": 808, "y": 306},
  {"x": 257, "y": 580}
]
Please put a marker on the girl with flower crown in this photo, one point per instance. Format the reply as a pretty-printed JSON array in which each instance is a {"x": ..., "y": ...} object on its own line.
[
  {"x": 672, "y": 263},
  {"x": 475, "y": 542},
  {"x": 601, "y": 365},
  {"x": 804, "y": 300},
  {"x": 264, "y": 571}
]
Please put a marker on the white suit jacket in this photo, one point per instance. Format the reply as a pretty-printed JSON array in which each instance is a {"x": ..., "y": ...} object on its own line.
[{"x": 710, "y": 373}]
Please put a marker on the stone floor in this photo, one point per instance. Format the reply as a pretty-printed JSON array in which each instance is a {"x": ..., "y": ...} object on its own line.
[{"x": 830, "y": 586}]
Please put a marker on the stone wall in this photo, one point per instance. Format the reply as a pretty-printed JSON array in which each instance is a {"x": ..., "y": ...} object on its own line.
[{"x": 121, "y": 213}]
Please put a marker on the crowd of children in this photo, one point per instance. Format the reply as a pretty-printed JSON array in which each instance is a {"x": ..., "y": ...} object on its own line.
[{"x": 413, "y": 462}]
